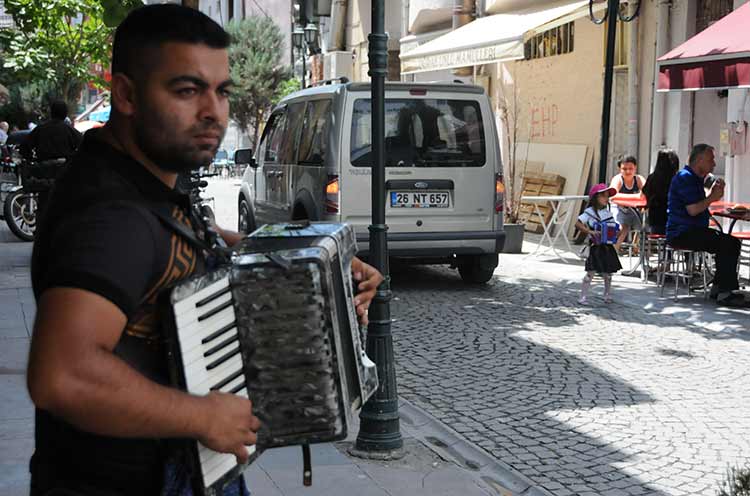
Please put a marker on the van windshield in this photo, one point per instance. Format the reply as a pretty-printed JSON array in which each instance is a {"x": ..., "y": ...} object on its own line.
[{"x": 421, "y": 133}]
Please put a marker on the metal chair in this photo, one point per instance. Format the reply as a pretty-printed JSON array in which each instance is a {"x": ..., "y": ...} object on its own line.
[
  {"x": 684, "y": 264},
  {"x": 743, "y": 236},
  {"x": 659, "y": 243}
]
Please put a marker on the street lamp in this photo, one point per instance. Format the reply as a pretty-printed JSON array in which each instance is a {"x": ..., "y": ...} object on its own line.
[
  {"x": 612, "y": 14},
  {"x": 379, "y": 432},
  {"x": 298, "y": 40},
  {"x": 311, "y": 34}
]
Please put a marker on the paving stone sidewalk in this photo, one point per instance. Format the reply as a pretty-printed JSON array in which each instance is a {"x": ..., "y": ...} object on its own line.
[{"x": 645, "y": 396}]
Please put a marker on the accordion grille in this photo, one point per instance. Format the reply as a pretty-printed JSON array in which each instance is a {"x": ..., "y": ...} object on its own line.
[{"x": 286, "y": 327}]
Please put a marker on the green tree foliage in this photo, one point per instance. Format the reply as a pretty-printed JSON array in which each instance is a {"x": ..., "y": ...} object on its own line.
[
  {"x": 116, "y": 10},
  {"x": 260, "y": 77},
  {"x": 736, "y": 482},
  {"x": 56, "y": 42}
]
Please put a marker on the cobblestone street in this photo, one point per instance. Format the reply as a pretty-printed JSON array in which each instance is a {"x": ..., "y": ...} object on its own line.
[{"x": 604, "y": 400}]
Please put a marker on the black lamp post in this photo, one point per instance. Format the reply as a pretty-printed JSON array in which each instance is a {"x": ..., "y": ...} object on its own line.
[
  {"x": 298, "y": 40},
  {"x": 379, "y": 433},
  {"x": 612, "y": 14}
]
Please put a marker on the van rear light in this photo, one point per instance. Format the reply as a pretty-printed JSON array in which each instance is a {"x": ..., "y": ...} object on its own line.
[
  {"x": 332, "y": 195},
  {"x": 499, "y": 193},
  {"x": 418, "y": 91}
]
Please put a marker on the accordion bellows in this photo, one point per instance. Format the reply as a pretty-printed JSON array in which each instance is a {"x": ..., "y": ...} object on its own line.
[{"x": 278, "y": 326}]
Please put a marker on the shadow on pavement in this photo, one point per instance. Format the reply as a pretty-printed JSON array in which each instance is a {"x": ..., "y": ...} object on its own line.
[{"x": 522, "y": 401}]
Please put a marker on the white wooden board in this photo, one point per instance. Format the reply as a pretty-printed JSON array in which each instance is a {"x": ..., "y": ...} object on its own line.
[{"x": 573, "y": 162}]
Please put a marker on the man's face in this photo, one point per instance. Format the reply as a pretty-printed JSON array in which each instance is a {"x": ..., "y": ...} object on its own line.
[
  {"x": 627, "y": 169},
  {"x": 709, "y": 161},
  {"x": 182, "y": 106}
]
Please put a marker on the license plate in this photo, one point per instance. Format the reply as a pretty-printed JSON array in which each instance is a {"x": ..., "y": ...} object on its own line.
[{"x": 419, "y": 199}]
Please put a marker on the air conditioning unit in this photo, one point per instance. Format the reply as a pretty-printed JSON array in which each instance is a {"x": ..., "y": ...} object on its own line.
[{"x": 338, "y": 64}]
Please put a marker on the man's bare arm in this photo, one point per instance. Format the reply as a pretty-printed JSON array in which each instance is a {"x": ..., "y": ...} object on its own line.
[
  {"x": 74, "y": 374},
  {"x": 717, "y": 191}
]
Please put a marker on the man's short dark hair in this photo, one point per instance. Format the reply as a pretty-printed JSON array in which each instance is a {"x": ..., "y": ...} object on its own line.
[
  {"x": 627, "y": 159},
  {"x": 58, "y": 110},
  {"x": 145, "y": 29},
  {"x": 697, "y": 151}
]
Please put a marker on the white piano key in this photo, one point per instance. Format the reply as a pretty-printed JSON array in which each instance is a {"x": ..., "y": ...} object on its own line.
[
  {"x": 202, "y": 294},
  {"x": 191, "y": 337},
  {"x": 199, "y": 380},
  {"x": 186, "y": 312},
  {"x": 239, "y": 380}
]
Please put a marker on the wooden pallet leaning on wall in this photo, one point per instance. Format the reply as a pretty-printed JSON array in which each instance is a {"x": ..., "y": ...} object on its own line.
[{"x": 538, "y": 184}]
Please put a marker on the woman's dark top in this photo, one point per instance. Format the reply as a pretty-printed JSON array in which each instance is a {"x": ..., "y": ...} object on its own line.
[{"x": 656, "y": 198}]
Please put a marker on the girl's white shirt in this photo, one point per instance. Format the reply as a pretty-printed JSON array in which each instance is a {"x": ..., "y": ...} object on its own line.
[{"x": 591, "y": 216}]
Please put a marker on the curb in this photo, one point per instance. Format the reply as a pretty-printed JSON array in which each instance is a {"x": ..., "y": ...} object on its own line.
[{"x": 450, "y": 445}]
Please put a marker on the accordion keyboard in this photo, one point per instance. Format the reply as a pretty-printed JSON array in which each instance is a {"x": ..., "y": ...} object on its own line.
[{"x": 209, "y": 344}]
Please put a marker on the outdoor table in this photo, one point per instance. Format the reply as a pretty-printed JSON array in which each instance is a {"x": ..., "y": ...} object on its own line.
[
  {"x": 721, "y": 209},
  {"x": 558, "y": 220},
  {"x": 638, "y": 205}
]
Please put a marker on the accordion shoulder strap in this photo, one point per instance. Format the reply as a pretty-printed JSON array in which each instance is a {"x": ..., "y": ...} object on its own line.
[{"x": 174, "y": 225}]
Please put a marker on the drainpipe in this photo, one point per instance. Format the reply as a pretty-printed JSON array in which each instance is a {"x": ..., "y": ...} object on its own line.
[
  {"x": 660, "y": 100},
  {"x": 633, "y": 94},
  {"x": 463, "y": 13}
]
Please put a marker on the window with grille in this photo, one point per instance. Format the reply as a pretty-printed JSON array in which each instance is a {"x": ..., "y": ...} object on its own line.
[
  {"x": 555, "y": 41},
  {"x": 710, "y": 11}
]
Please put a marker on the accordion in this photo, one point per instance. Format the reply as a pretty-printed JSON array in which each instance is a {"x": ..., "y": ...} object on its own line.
[
  {"x": 605, "y": 233},
  {"x": 277, "y": 325}
]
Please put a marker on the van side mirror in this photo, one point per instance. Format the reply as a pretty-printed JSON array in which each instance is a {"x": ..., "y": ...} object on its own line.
[{"x": 245, "y": 156}]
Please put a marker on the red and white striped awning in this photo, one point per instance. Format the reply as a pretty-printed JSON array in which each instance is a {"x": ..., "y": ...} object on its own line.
[{"x": 716, "y": 58}]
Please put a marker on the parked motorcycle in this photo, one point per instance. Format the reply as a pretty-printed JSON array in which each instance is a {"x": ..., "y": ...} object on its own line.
[{"x": 21, "y": 203}]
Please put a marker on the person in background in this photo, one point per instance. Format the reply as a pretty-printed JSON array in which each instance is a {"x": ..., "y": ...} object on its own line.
[
  {"x": 687, "y": 223},
  {"x": 3, "y": 132},
  {"x": 656, "y": 189},
  {"x": 602, "y": 258},
  {"x": 54, "y": 138},
  {"x": 627, "y": 184}
]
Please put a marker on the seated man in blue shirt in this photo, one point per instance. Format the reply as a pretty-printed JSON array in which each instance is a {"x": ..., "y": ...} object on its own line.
[{"x": 687, "y": 223}]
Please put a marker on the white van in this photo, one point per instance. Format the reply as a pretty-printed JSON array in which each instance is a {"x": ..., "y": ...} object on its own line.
[{"x": 443, "y": 170}]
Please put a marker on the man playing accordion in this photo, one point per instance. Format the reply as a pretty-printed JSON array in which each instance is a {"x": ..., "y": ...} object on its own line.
[{"x": 96, "y": 369}]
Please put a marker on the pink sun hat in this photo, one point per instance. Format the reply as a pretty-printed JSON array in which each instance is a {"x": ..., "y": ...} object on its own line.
[{"x": 598, "y": 188}]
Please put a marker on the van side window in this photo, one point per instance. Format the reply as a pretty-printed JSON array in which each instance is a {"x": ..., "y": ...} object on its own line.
[
  {"x": 274, "y": 137},
  {"x": 295, "y": 114},
  {"x": 314, "y": 144}
]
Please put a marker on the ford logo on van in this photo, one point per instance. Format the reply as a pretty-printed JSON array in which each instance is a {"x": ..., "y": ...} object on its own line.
[{"x": 421, "y": 185}]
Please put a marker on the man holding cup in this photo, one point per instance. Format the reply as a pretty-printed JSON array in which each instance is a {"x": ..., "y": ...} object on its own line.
[{"x": 687, "y": 223}]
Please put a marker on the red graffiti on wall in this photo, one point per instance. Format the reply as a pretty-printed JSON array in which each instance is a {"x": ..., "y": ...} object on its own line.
[{"x": 544, "y": 119}]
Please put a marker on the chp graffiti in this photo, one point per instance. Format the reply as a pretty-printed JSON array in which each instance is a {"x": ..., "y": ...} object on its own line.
[{"x": 543, "y": 119}]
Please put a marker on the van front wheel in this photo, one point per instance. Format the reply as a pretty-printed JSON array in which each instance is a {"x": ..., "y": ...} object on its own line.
[{"x": 477, "y": 269}]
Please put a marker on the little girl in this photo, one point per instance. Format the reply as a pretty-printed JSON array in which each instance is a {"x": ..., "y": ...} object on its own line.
[{"x": 602, "y": 257}]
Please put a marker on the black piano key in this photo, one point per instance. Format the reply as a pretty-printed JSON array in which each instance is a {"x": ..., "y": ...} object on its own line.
[
  {"x": 221, "y": 345},
  {"x": 226, "y": 380},
  {"x": 236, "y": 389},
  {"x": 216, "y": 310},
  {"x": 212, "y": 297},
  {"x": 218, "y": 333},
  {"x": 222, "y": 359}
]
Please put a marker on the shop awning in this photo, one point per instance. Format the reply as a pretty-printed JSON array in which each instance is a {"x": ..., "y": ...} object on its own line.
[
  {"x": 716, "y": 58},
  {"x": 486, "y": 40}
]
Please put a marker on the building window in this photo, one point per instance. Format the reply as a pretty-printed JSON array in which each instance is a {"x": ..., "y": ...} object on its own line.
[
  {"x": 622, "y": 44},
  {"x": 230, "y": 10},
  {"x": 555, "y": 41},
  {"x": 710, "y": 11}
]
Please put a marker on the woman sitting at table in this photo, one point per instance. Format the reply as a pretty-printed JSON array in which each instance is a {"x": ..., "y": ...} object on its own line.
[
  {"x": 656, "y": 189},
  {"x": 627, "y": 184}
]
